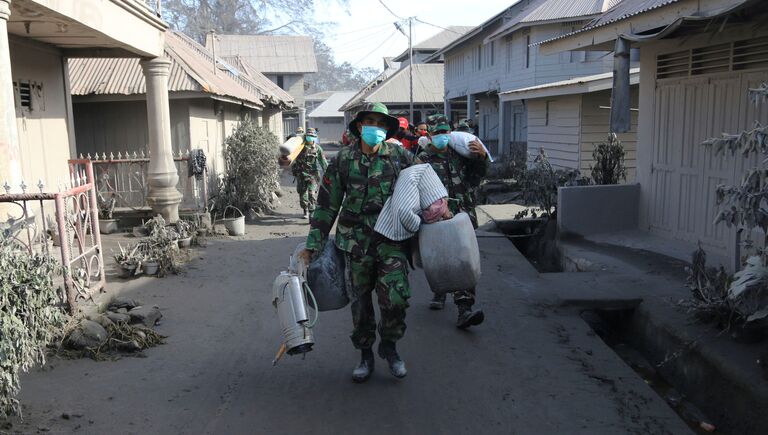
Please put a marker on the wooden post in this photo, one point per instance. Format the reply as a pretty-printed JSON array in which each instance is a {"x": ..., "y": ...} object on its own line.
[{"x": 621, "y": 117}]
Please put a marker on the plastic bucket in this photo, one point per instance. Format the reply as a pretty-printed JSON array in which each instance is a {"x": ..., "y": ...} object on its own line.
[{"x": 235, "y": 225}]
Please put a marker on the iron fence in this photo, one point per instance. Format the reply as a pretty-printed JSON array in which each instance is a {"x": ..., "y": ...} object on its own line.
[
  {"x": 125, "y": 176},
  {"x": 68, "y": 219}
]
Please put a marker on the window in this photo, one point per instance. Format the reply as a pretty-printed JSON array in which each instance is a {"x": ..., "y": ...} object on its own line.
[
  {"x": 23, "y": 92},
  {"x": 281, "y": 82},
  {"x": 493, "y": 51},
  {"x": 509, "y": 55},
  {"x": 527, "y": 41}
]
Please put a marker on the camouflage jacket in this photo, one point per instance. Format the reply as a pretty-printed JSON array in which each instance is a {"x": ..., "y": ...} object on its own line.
[
  {"x": 309, "y": 162},
  {"x": 354, "y": 189},
  {"x": 461, "y": 177}
]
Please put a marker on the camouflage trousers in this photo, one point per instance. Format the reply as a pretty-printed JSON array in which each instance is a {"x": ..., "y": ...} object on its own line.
[
  {"x": 307, "y": 189},
  {"x": 463, "y": 297},
  {"x": 384, "y": 269}
]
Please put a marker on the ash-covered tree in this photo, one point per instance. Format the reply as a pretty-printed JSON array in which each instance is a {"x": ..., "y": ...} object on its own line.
[
  {"x": 196, "y": 18},
  {"x": 332, "y": 76},
  {"x": 245, "y": 17}
]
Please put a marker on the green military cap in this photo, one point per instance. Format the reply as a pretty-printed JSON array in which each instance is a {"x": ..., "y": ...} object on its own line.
[
  {"x": 392, "y": 123},
  {"x": 438, "y": 122},
  {"x": 311, "y": 132}
]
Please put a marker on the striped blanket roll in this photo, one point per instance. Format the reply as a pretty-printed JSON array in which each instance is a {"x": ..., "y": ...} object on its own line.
[{"x": 417, "y": 187}]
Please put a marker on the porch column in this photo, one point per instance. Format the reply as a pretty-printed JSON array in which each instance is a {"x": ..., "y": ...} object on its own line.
[
  {"x": 162, "y": 176},
  {"x": 10, "y": 166},
  {"x": 471, "y": 107},
  {"x": 447, "y": 110}
]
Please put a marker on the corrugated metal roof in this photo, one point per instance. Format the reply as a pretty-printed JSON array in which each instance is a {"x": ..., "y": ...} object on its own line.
[
  {"x": 191, "y": 70},
  {"x": 544, "y": 11},
  {"x": 278, "y": 94},
  {"x": 331, "y": 107},
  {"x": 575, "y": 85},
  {"x": 629, "y": 8},
  {"x": 626, "y": 9},
  {"x": 270, "y": 53},
  {"x": 563, "y": 9},
  {"x": 428, "y": 87},
  {"x": 437, "y": 41},
  {"x": 513, "y": 8},
  {"x": 319, "y": 96},
  {"x": 387, "y": 73}
]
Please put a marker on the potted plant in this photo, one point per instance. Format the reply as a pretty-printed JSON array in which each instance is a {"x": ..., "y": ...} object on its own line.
[
  {"x": 129, "y": 259},
  {"x": 185, "y": 231},
  {"x": 107, "y": 225}
]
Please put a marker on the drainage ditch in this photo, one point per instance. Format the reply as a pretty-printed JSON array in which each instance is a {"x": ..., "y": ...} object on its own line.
[
  {"x": 537, "y": 241},
  {"x": 685, "y": 380}
]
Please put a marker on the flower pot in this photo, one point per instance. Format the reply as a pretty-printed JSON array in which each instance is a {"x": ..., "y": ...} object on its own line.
[
  {"x": 127, "y": 270},
  {"x": 150, "y": 267},
  {"x": 108, "y": 226},
  {"x": 185, "y": 242},
  {"x": 235, "y": 225}
]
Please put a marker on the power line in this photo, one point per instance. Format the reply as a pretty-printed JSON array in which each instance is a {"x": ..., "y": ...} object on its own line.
[
  {"x": 377, "y": 47},
  {"x": 361, "y": 30},
  {"x": 390, "y": 10}
]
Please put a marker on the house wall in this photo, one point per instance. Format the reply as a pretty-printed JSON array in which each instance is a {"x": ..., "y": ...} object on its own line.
[
  {"x": 554, "y": 126},
  {"x": 480, "y": 69},
  {"x": 677, "y": 174},
  {"x": 331, "y": 129},
  {"x": 211, "y": 122},
  {"x": 293, "y": 84},
  {"x": 121, "y": 126},
  {"x": 272, "y": 118},
  {"x": 43, "y": 131},
  {"x": 595, "y": 125}
]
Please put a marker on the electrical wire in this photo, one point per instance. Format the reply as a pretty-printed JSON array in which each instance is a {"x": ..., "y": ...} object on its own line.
[
  {"x": 390, "y": 10},
  {"x": 361, "y": 30},
  {"x": 388, "y": 38}
]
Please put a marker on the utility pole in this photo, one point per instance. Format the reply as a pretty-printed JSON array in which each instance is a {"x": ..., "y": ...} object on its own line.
[
  {"x": 410, "y": 69},
  {"x": 213, "y": 48}
]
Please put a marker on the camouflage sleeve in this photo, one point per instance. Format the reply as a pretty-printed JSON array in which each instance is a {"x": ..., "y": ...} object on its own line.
[
  {"x": 420, "y": 158},
  {"x": 321, "y": 159},
  {"x": 405, "y": 157},
  {"x": 328, "y": 204},
  {"x": 476, "y": 171}
]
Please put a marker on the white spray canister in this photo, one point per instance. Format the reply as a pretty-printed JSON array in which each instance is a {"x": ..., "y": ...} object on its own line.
[{"x": 289, "y": 299}]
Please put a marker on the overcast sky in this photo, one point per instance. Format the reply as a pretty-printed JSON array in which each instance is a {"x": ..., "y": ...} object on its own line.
[{"x": 366, "y": 33}]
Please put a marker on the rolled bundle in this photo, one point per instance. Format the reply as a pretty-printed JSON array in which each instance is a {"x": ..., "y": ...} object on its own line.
[{"x": 460, "y": 143}]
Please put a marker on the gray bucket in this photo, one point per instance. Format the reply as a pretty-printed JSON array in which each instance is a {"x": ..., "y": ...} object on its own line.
[
  {"x": 235, "y": 225},
  {"x": 449, "y": 254}
]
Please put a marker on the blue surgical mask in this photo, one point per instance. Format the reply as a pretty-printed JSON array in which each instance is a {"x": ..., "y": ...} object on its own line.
[
  {"x": 373, "y": 135},
  {"x": 310, "y": 139},
  {"x": 440, "y": 141}
]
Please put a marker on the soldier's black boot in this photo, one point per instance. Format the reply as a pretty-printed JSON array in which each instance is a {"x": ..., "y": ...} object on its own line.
[
  {"x": 363, "y": 371},
  {"x": 469, "y": 317},
  {"x": 437, "y": 302},
  {"x": 388, "y": 351}
]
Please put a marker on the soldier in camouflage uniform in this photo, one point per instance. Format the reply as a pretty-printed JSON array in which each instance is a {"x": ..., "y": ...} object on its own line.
[
  {"x": 357, "y": 184},
  {"x": 461, "y": 176},
  {"x": 306, "y": 168}
]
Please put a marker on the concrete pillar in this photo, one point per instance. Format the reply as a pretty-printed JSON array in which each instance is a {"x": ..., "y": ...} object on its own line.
[
  {"x": 471, "y": 107},
  {"x": 302, "y": 118},
  {"x": 447, "y": 110},
  {"x": 10, "y": 164},
  {"x": 162, "y": 176}
]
